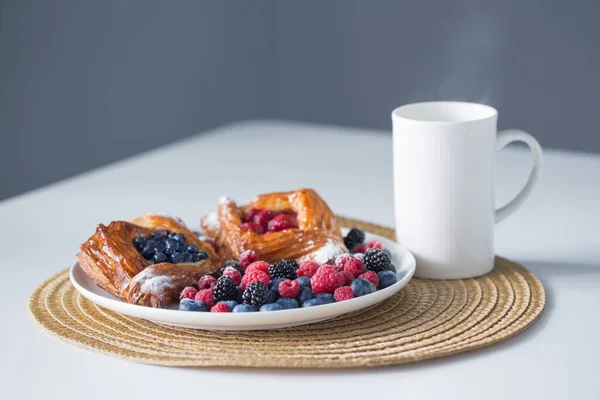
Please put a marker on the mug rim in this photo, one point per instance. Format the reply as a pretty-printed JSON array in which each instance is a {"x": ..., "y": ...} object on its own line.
[{"x": 477, "y": 112}]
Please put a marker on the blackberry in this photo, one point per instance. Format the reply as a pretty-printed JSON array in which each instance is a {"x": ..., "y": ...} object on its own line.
[
  {"x": 284, "y": 269},
  {"x": 225, "y": 289},
  {"x": 376, "y": 260},
  {"x": 256, "y": 294},
  {"x": 234, "y": 264},
  {"x": 354, "y": 238}
]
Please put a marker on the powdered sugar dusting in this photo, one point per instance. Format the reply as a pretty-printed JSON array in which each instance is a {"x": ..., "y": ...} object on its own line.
[
  {"x": 212, "y": 221},
  {"x": 155, "y": 284},
  {"x": 225, "y": 200},
  {"x": 328, "y": 252}
]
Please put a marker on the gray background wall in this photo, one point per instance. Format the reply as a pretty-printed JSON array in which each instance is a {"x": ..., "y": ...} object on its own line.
[
  {"x": 84, "y": 83},
  {"x": 87, "y": 82}
]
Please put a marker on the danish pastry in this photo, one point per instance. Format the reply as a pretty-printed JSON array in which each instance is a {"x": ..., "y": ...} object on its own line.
[
  {"x": 147, "y": 261},
  {"x": 294, "y": 225}
]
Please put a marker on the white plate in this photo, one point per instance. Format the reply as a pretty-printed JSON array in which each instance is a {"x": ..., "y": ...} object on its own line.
[{"x": 402, "y": 259}]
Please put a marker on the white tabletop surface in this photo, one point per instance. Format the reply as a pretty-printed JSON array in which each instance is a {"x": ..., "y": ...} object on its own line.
[{"x": 556, "y": 234}]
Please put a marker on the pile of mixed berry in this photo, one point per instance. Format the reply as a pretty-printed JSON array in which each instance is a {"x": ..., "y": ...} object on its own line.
[
  {"x": 166, "y": 246},
  {"x": 251, "y": 284},
  {"x": 265, "y": 221}
]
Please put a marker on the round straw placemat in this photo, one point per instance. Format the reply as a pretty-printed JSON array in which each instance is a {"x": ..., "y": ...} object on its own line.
[{"x": 426, "y": 319}]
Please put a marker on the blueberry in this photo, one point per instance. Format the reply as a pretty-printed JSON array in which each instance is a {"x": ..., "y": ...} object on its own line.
[
  {"x": 160, "y": 246},
  {"x": 195, "y": 257},
  {"x": 362, "y": 287},
  {"x": 159, "y": 257},
  {"x": 304, "y": 281},
  {"x": 305, "y": 294},
  {"x": 325, "y": 297},
  {"x": 157, "y": 235},
  {"x": 180, "y": 237},
  {"x": 271, "y": 307},
  {"x": 139, "y": 242},
  {"x": 288, "y": 304},
  {"x": 172, "y": 244},
  {"x": 274, "y": 284},
  {"x": 271, "y": 297},
  {"x": 192, "y": 248},
  {"x": 243, "y": 308},
  {"x": 177, "y": 257},
  {"x": 189, "y": 257},
  {"x": 230, "y": 303},
  {"x": 312, "y": 302},
  {"x": 148, "y": 252},
  {"x": 386, "y": 279},
  {"x": 193, "y": 305},
  {"x": 392, "y": 268},
  {"x": 151, "y": 243},
  {"x": 202, "y": 255},
  {"x": 389, "y": 253}
]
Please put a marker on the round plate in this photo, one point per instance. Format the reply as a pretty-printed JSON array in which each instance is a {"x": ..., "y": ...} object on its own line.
[{"x": 402, "y": 259}]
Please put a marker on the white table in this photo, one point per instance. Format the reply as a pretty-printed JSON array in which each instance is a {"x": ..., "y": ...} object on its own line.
[{"x": 556, "y": 234}]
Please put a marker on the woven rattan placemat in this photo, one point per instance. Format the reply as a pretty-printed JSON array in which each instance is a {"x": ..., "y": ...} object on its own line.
[{"x": 426, "y": 319}]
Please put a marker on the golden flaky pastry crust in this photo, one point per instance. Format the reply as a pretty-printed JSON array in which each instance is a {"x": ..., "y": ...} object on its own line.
[
  {"x": 317, "y": 238},
  {"x": 111, "y": 260}
]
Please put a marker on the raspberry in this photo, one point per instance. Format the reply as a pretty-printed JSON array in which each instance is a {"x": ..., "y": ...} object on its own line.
[
  {"x": 254, "y": 276},
  {"x": 206, "y": 296},
  {"x": 289, "y": 289},
  {"x": 354, "y": 238},
  {"x": 249, "y": 217},
  {"x": 220, "y": 307},
  {"x": 247, "y": 258},
  {"x": 355, "y": 267},
  {"x": 251, "y": 226},
  {"x": 262, "y": 218},
  {"x": 308, "y": 269},
  {"x": 341, "y": 260},
  {"x": 343, "y": 293},
  {"x": 207, "y": 282},
  {"x": 348, "y": 277},
  {"x": 374, "y": 244},
  {"x": 188, "y": 293},
  {"x": 234, "y": 264},
  {"x": 281, "y": 222},
  {"x": 233, "y": 274},
  {"x": 360, "y": 249},
  {"x": 372, "y": 277},
  {"x": 259, "y": 266},
  {"x": 326, "y": 280}
]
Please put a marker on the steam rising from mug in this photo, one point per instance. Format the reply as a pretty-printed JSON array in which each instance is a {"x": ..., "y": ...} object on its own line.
[{"x": 467, "y": 67}]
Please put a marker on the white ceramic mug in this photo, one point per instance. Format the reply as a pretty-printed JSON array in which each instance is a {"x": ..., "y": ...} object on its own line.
[{"x": 444, "y": 158}]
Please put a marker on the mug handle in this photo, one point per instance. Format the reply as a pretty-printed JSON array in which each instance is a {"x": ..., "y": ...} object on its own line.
[{"x": 515, "y": 135}]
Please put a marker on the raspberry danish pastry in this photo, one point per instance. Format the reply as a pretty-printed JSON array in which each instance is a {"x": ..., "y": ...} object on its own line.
[{"x": 294, "y": 225}]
